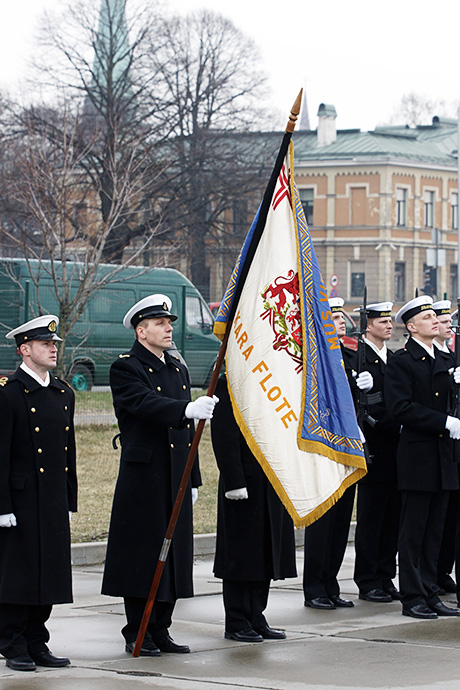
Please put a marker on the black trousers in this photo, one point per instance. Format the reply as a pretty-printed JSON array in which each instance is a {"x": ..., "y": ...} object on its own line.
[
  {"x": 457, "y": 554},
  {"x": 447, "y": 554},
  {"x": 325, "y": 544},
  {"x": 160, "y": 619},
  {"x": 422, "y": 523},
  {"x": 23, "y": 629},
  {"x": 244, "y": 604},
  {"x": 376, "y": 536}
]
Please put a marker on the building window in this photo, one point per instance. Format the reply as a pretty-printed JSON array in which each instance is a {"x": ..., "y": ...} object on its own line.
[
  {"x": 429, "y": 209},
  {"x": 240, "y": 217},
  {"x": 454, "y": 205},
  {"x": 358, "y": 280},
  {"x": 401, "y": 206},
  {"x": 430, "y": 280},
  {"x": 400, "y": 281},
  {"x": 453, "y": 282},
  {"x": 358, "y": 206},
  {"x": 306, "y": 197}
]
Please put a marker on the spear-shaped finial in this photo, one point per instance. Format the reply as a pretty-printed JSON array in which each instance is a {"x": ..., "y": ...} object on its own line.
[{"x": 295, "y": 110}]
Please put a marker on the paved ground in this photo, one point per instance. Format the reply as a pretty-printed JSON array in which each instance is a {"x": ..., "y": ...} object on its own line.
[{"x": 369, "y": 646}]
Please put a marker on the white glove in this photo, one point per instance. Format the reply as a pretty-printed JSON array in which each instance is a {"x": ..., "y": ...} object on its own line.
[
  {"x": 70, "y": 516},
  {"x": 362, "y": 438},
  {"x": 201, "y": 408},
  {"x": 194, "y": 495},
  {"x": 365, "y": 381},
  {"x": 237, "y": 494},
  {"x": 453, "y": 426},
  {"x": 8, "y": 520},
  {"x": 457, "y": 374}
]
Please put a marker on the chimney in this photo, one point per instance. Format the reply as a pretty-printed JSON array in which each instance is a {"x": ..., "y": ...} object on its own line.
[{"x": 327, "y": 132}]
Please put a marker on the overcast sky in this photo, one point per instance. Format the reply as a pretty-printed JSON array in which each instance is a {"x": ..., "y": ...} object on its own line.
[{"x": 358, "y": 55}]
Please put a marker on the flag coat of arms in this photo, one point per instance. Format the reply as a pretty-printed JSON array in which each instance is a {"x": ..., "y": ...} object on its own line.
[{"x": 289, "y": 391}]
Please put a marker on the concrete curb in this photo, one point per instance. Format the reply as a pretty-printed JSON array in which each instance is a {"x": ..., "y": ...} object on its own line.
[{"x": 204, "y": 545}]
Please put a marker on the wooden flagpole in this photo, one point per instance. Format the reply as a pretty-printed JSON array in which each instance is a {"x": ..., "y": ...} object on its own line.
[{"x": 193, "y": 450}]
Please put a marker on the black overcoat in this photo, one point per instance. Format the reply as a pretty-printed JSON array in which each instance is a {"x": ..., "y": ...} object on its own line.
[
  {"x": 38, "y": 484},
  {"x": 417, "y": 395},
  {"x": 382, "y": 436},
  {"x": 255, "y": 536},
  {"x": 150, "y": 398}
]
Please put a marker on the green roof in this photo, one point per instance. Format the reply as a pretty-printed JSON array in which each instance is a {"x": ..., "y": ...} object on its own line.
[{"x": 436, "y": 143}]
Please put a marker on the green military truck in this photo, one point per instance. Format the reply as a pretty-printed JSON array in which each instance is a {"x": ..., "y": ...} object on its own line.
[{"x": 99, "y": 336}]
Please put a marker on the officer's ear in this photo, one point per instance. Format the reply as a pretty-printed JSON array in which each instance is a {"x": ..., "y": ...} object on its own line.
[
  {"x": 24, "y": 349},
  {"x": 410, "y": 326},
  {"x": 139, "y": 331}
]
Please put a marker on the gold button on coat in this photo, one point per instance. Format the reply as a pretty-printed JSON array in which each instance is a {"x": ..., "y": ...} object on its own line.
[
  {"x": 42, "y": 470},
  {"x": 32, "y": 409},
  {"x": 37, "y": 428},
  {"x": 39, "y": 450}
]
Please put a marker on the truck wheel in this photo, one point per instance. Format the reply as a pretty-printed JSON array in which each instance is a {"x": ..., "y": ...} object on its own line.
[{"x": 80, "y": 378}]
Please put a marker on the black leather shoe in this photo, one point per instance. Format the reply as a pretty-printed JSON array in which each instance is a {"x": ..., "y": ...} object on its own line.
[
  {"x": 420, "y": 611},
  {"x": 270, "y": 633},
  {"x": 23, "y": 662},
  {"x": 167, "y": 644},
  {"x": 394, "y": 593},
  {"x": 49, "y": 660},
  {"x": 443, "y": 610},
  {"x": 147, "y": 649},
  {"x": 320, "y": 603},
  {"x": 447, "y": 584},
  {"x": 246, "y": 635},
  {"x": 341, "y": 603},
  {"x": 376, "y": 595}
]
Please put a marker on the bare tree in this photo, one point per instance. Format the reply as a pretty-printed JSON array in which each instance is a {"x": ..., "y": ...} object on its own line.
[
  {"x": 159, "y": 104},
  {"x": 54, "y": 213},
  {"x": 416, "y": 109},
  {"x": 211, "y": 89},
  {"x": 95, "y": 60}
]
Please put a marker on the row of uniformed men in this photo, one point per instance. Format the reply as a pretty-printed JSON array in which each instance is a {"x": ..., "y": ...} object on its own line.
[
  {"x": 151, "y": 393},
  {"x": 408, "y": 501}
]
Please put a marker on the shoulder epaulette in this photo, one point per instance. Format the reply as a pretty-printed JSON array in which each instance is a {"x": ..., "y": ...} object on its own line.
[
  {"x": 122, "y": 356},
  {"x": 63, "y": 381},
  {"x": 3, "y": 380}
]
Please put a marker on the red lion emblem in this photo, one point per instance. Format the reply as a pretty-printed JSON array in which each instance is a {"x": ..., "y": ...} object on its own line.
[{"x": 281, "y": 307}]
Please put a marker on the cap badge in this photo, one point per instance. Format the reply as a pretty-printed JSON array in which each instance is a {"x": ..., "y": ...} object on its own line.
[
  {"x": 165, "y": 306},
  {"x": 52, "y": 326}
]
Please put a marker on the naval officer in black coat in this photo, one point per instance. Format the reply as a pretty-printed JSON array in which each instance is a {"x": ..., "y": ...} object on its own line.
[
  {"x": 326, "y": 539},
  {"x": 255, "y": 535},
  {"x": 447, "y": 553},
  {"x": 379, "y": 503},
  {"x": 151, "y": 397},
  {"x": 38, "y": 489},
  {"x": 418, "y": 388}
]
